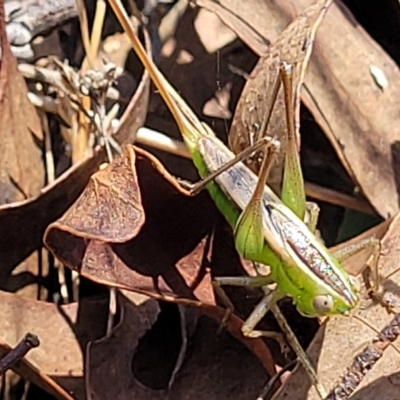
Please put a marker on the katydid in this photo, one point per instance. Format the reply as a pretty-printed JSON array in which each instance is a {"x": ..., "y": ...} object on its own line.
[{"x": 267, "y": 231}]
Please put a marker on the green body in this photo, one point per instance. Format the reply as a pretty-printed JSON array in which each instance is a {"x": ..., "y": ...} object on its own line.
[{"x": 292, "y": 277}]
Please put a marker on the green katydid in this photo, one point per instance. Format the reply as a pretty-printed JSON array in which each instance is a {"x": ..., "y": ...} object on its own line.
[{"x": 266, "y": 229}]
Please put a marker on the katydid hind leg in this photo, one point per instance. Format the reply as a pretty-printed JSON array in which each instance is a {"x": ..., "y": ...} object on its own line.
[
  {"x": 249, "y": 230},
  {"x": 271, "y": 144},
  {"x": 293, "y": 192}
]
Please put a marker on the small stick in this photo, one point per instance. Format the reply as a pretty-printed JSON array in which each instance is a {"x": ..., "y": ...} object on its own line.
[{"x": 29, "y": 342}]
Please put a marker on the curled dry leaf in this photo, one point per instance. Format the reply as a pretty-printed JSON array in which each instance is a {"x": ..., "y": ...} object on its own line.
[
  {"x": 102, "y": 234},
  {"x": 341, "y": 339},
  {"x": 63, "y": 333}
]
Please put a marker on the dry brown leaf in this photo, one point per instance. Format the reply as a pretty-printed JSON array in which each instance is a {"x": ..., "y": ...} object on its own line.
[
  {"x": 63, "y": 333},
  {"x": 341, "y": 339},
  {"x": 293, "y": 46},
  {"x": 114, "y": 252},
  {"x": 21, "y": 165},
  {"x": 110, "y": 207},
  {"x": 340, "y": 90}
]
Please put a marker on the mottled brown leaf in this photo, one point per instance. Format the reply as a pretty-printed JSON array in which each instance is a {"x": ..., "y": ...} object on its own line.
[
  {"x": 110, "y": 208},
  {"x": 29, "y": 218}
]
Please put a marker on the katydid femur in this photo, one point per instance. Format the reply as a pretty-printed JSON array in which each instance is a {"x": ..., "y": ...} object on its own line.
[{"x": 267, "y": 230}]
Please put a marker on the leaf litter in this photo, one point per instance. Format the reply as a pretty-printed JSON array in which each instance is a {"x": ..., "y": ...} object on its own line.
[{"x": 133, "y": 228}]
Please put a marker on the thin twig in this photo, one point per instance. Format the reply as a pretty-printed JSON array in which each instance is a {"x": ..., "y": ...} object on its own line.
[
  {"x": 83, "y": 21},
  {"x": 97, "y": 29}
]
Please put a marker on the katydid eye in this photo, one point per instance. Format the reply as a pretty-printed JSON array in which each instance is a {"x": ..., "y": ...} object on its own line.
[{"x": 323, "y": 304}]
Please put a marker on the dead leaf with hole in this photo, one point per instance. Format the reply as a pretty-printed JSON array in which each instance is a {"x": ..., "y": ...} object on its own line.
[
  {"x": 293, "y": 46},
  {"x": 341, "y": 339},
  {"x": 141, "y": 355},
  {"x": 63, "y": 333}
]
